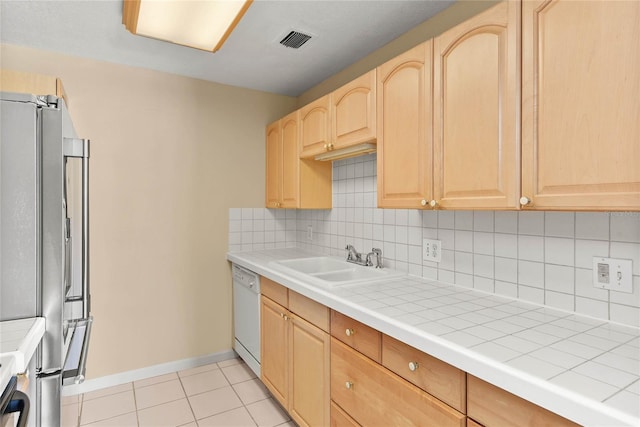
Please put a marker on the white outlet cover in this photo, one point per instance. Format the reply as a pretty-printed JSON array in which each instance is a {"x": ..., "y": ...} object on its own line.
[
  {"x": 613, "y": 274},
  {"x": 431, "y": 250}
]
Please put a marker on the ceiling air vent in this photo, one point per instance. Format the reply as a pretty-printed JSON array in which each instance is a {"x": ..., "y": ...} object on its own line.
[{"x": 295, "y": 39}]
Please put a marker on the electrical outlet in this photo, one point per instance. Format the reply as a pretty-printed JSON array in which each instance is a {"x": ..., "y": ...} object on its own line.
[
  {"x": 613, "y": 274},
  {"x": 309, "y": 232},
  {"x": 431, "y": 250}
]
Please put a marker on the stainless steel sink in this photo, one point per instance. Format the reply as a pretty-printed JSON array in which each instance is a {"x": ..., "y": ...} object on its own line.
[{"x": 333, "y": 272}]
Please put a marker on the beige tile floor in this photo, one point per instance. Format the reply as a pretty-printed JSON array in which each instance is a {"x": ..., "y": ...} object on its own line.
[{"x": 221, "y": 394}]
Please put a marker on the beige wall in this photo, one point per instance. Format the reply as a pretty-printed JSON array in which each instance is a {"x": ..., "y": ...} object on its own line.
[
  {"x": 169, "y": 156},
  {"x": 453, "y": 15}
]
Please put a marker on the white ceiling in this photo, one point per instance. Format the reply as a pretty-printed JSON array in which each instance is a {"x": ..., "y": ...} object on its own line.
[{"x": 343, "y": 32}]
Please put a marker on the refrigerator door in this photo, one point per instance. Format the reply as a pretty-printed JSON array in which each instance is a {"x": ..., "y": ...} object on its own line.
[{"x": 20, "y": 207}]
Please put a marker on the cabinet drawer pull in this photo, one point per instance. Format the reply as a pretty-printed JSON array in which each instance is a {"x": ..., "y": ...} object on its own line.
[
  {"x": 349, "y": 385},
  {"x": 350, "y": 332},
  {"x": 413, "y": 366}
]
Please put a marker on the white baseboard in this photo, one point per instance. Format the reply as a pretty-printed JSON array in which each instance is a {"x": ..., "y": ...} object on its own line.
[{"x": 148, "y": 372}]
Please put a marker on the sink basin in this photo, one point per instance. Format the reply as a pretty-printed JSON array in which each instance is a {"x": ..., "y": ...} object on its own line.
[{"x": 332, "y": 272}]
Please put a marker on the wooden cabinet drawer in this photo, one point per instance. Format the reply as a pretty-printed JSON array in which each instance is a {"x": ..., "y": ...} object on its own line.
[
  {"x": 357, "y": 335},
  {"x": 339, "y": 418},
  {"x": 274, "y": 291},
  {"x": 373, "y": 395},
  {"x": 308, "y": 309},
  {"x": 492, "y": 406},
  {"x": 436, "y": 377},
  {"x": 471, "y": 423}
]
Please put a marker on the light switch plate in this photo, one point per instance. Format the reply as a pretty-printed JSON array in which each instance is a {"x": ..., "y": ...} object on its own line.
[
  {"x": 613, "y": 274},
  {"x": 431, "y": 250}
]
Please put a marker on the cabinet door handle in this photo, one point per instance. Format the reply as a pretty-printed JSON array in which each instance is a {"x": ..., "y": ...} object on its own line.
[
  {"x": 424, "y": 202},
  {"x": 349, "y": 385},
  {"x": 413, "y": 366},
  {"x": 350, "y": 332},
  {"x": 525, "y": 201},
  {"x": 433, "y": 203}
]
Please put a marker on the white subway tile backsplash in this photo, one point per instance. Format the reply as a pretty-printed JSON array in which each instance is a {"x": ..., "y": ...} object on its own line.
[
  {"x": 506, "y": 245},
  {"x": 446, "y": 219},
  {"x": 463, "y": 220},
  {"x": 592, "y": 225},
  {"x": 542, "y": 257},
  {"x": 483, "y": 243},
  {"x": 531, "y": 223},
  {"x": 506, "y": 222},
  {"x": 559, "y": 278},
  {"x": 559, "y": 224},
  {"x": 483, "y": 221},
  {"x": 506, "y": 269},
  {"x": 559, "y": 251},
  {"x": 531, "y": 273},
  {"x": 531, "y": 248},
  {"x": 464, "y": 241},
  {"x": 627, "y": 251},
  {"x": 625, "y": 227}
]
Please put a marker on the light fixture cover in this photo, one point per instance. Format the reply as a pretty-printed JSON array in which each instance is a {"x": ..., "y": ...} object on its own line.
[{"x": 202, "y": 24}]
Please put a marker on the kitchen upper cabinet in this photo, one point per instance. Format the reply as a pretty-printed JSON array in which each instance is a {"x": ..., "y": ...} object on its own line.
[
  {"x": 353, "y": 112},
  {"x": 475, "y": 112},
  {"x": 295, "y": 349},
  {"x": 315, "y": 127},
  {"x": 581, "y": 105},
  {"x": 291, "y": 182},
  {"x": 37, "y": 84},
  {"x": 404, "y": 99}
]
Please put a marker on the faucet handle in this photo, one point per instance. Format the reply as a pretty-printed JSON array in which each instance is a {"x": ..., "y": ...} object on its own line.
[{"x": 378, "y": 253}]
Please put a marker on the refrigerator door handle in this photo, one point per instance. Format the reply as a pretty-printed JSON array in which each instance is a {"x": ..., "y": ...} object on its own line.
[{"x": 74, "y": 147}]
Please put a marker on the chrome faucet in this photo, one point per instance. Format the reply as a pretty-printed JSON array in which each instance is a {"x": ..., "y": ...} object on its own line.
[
  {"x": 355, "y": 257},
  {"x": 378, "y": 253}
]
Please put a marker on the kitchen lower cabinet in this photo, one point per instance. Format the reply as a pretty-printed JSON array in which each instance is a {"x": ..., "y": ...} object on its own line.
[
  {"x": 581, "y": 105},
  {"x": 374, "y": 396},
  {"x": 295, "y": 354},
  {"x": 432, "y": 375},
  {"x": 491, "y": 406},
  {"x": 476, "y": 140},
  {"x": 339, "y": 418}
]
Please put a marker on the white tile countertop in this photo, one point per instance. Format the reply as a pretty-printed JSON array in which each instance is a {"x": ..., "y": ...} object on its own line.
[
  {"x": 582, "y": 368},
  {"x": 18, "y": 341}
]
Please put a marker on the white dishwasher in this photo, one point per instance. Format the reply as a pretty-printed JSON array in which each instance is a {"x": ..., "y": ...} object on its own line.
[{"x": 246, "y": 316}]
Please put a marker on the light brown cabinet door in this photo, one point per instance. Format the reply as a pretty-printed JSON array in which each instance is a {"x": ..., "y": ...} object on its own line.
[
  {"x": 404, "y": 93},
  {"x": 290, "y": 161},
  {"x": 476, "y": 104},
  {"x": 274, "y": 166},
  {"x": 309, "y": 376},
  {"x": 374, "y": 396},
  {"x": 274, "y": 349},
  {"x": 315, "y": 127},
  {"x": 339, "y": 418},
  {"x": 581, "y": 104},
  {"x": 353, "y": 111}
]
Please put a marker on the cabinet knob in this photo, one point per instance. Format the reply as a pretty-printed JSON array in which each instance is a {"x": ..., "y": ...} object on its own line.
[
  {"x": 413, "y": 366},
  {"x": 348, "y": 385},
  {"x": 424, "y": 202},
  {"x": 433, "y": 203},
  {"x": 326, "y": 146},
  {"x": 524, "y": 201},
  {"x": 331, "y": 146},
  {"x": 349, "y": 332}
]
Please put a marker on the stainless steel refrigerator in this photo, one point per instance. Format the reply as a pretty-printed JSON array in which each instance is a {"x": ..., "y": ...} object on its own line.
[{"x": 44, "y": 254}]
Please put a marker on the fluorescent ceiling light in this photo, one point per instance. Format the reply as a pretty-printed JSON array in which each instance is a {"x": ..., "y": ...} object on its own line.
[{"x": 202, "y": 24}]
